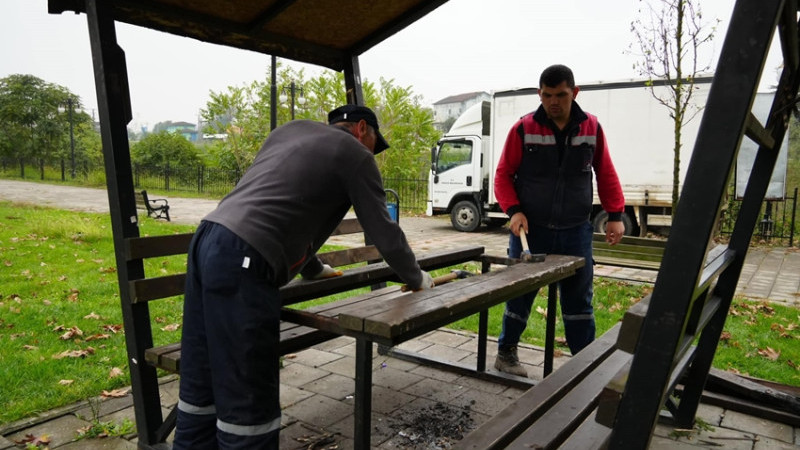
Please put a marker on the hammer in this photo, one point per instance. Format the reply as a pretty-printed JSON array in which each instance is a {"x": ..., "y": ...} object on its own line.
[
  {"x": 442, "y": 279},
  {"x": 526, "y": 254}
]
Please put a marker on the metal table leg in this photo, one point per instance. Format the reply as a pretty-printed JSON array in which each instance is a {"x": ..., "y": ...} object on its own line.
[{"x": 363, "y": 399}]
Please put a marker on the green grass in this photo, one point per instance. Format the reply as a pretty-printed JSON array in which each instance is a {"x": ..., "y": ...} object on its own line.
[{"x": 58, "y": 276}]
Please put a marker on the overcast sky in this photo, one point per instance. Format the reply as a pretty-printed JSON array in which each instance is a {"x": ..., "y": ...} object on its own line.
[{"x": 463, "y": 46}]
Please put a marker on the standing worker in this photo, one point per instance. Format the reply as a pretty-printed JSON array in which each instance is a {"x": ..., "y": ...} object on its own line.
[
  {"x": 544, "y": 183},
  {"x": 303, "y": 181}
]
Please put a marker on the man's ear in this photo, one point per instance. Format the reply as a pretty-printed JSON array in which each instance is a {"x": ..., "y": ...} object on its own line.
[
  {"x": 575, "y": 91},
  {"x": 361, "y": 128}
]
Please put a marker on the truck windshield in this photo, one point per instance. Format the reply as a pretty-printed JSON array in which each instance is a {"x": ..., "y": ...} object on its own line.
[{"x": 453, "y": 154}]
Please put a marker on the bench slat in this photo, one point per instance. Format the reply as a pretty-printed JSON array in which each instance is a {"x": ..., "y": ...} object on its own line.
[
  {"x": 589, "y": 435},
  {"x": 348, "y": 226},
  {"x": 339, "y": 258},
  {"x": 157, "y": 246},
  {"x": 293, "y": 338},
  {"x": 301, "y": 290},
  {"x": 155, "y": 288},
  {"x": 380, "y": 317},
  {"x": 500, "y": 430},
  {"x": 568, "y": 414}
]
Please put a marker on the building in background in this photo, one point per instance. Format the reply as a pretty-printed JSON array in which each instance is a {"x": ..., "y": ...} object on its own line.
[{"x": 446, "y": 110}]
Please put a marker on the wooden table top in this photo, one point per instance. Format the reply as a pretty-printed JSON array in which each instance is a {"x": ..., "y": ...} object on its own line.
[{"x": 390, "y": 316}]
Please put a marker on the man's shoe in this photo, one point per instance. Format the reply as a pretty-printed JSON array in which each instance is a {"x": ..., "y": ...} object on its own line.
[{"x": 508, "y": 362}]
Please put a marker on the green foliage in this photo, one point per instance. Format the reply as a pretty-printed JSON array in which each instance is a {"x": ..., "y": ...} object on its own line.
[
  {"x": 164, "y": 148},
  {"x": 35, "y": 119},
  {"x": 242, "y": 114}
]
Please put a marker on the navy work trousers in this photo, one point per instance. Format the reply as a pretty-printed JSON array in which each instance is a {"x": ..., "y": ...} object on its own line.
[
  {"x": 575, "y": 292},
  {"x": 229, "y": 382}
]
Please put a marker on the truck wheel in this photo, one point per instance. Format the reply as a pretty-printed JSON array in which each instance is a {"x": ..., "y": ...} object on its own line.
[
  {"x": 601, "y": 219},
  {"x": 465, "y": 216}
]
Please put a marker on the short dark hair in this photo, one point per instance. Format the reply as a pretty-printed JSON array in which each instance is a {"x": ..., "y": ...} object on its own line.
[{"x": 555, "y": 75}]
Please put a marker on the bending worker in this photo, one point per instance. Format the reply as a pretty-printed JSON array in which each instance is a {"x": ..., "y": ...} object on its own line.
[
  {"x": 301, "y": 184},
  {"x": 544, "y": 183}
]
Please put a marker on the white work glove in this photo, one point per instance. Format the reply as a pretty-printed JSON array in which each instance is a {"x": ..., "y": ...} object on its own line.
[
  {"x": 327, "y": 272},
  {"x": 427, "y": 282}
]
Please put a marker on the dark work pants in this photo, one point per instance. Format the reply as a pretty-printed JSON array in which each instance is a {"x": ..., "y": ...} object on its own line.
[
  {"x": 575, "y": 292},
  {"x": 229, "y": 382}
]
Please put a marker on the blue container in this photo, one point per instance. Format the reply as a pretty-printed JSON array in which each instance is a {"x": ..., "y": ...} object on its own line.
[{"x": 392, "y": 207}]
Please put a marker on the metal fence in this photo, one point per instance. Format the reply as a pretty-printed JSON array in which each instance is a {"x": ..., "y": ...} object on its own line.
[
  {"x": 778, "y": 220},
  {"x": 778, "y": 224},
  {"x": 413, "y": 193}
]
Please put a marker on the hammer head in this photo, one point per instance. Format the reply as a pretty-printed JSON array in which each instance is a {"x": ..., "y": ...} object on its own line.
[
  {"x": 527, "y": 256},
  {"x": 460, "y": 274}
]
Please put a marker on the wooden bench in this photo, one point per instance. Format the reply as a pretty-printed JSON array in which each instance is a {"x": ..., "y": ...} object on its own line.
[
  {"x": 576, "y": 406},
  {"x": 157, "y": 208},
  {"x": 390, "y": 317},
  {"x": 635, "y": 252},
  {"x": 293, "y": 337}
]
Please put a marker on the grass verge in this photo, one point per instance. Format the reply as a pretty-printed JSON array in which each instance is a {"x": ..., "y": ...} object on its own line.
[{"x": 61, "y": 337}]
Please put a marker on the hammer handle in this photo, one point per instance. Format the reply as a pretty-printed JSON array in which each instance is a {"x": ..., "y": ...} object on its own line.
[
  {"x": 524, "y": 240},
  {"x": 436, "y": 281}
]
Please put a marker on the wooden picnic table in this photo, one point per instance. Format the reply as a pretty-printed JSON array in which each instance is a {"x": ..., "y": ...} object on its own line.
[{"x": 390, "y": 316}]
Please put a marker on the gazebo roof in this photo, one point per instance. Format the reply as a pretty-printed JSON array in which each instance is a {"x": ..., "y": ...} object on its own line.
[{"x": 320, "y": 32}]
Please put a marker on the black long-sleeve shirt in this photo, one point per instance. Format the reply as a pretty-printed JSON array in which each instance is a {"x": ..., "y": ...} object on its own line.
[{"x": 302, "y": 182}]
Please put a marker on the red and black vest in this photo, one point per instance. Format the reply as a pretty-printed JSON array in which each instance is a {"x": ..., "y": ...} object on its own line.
[{"x": 554, "y": 179}]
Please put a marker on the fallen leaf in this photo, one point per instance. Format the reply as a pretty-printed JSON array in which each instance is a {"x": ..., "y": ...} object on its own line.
[
  {"x": 30, "y": 347},
  {"x": 116, "y": 393},
  {"x": 726, "y": 335},
  {"x": 769, "y": 353},
  {"x": 95, "y": 337},
  {"x": 71, "y": 333},
  {"x": 171, "y": 327},
  {"x": 115, "y": 372},
  {"x": 66, "y": 382},
  {"x": 31, "y": 439},
  {"x": 112, "y": 328},
  {"x": 92, "y": 315},
  {"x": 541, "y": 311},
  {"x": 74, "y": 353}
]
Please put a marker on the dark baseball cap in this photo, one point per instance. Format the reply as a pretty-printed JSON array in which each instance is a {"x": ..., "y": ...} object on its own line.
[{"x": 355, "y": 113}]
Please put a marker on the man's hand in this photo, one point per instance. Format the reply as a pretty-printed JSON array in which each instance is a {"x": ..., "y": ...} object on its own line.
[
  {"x": 427, "y": 282},
  {"x": 327, "y": 272},
  {"x": 518, "y": 221},
  {"x": 614, "y": 232}
]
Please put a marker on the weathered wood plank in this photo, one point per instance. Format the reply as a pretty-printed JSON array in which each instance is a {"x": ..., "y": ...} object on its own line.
[
  {"x": 504, "y": 427},
  {"x": 338, "y": 258},
  {"x": 569, "y": 413},
  {"x": 157, "y": 246},
  {"x": 158, "y": 287},
  {"x": 348, "y": 226},
  {"x": 438, "y": 306}
]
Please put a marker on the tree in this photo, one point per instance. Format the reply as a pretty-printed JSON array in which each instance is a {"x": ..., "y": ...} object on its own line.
[
  {"x": 242, "y": 115},
  {"x": 669, "y": 40},
  {"x": 164, "y": 149},
  {"x": 35, "y": 120}
]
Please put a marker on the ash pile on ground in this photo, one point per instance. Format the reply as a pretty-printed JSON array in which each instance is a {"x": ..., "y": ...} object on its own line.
[{"x": 433, "y": 427}]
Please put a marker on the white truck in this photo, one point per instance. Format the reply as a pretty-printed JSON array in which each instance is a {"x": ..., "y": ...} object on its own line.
[{"x": 640, "y": 138}]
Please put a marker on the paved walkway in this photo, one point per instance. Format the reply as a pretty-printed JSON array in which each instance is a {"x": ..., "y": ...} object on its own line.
[
  {"x": 409, "y": 400},
  {"x": 769, "y": 273}
]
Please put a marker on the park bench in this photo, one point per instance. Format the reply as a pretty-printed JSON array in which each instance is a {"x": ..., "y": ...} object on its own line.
[
  {"x": 157, "y": 208},
  {"x": 293, "y": 337},
  {"x": 576, "y": 406},
  {"x": 634, "y": 252}
]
